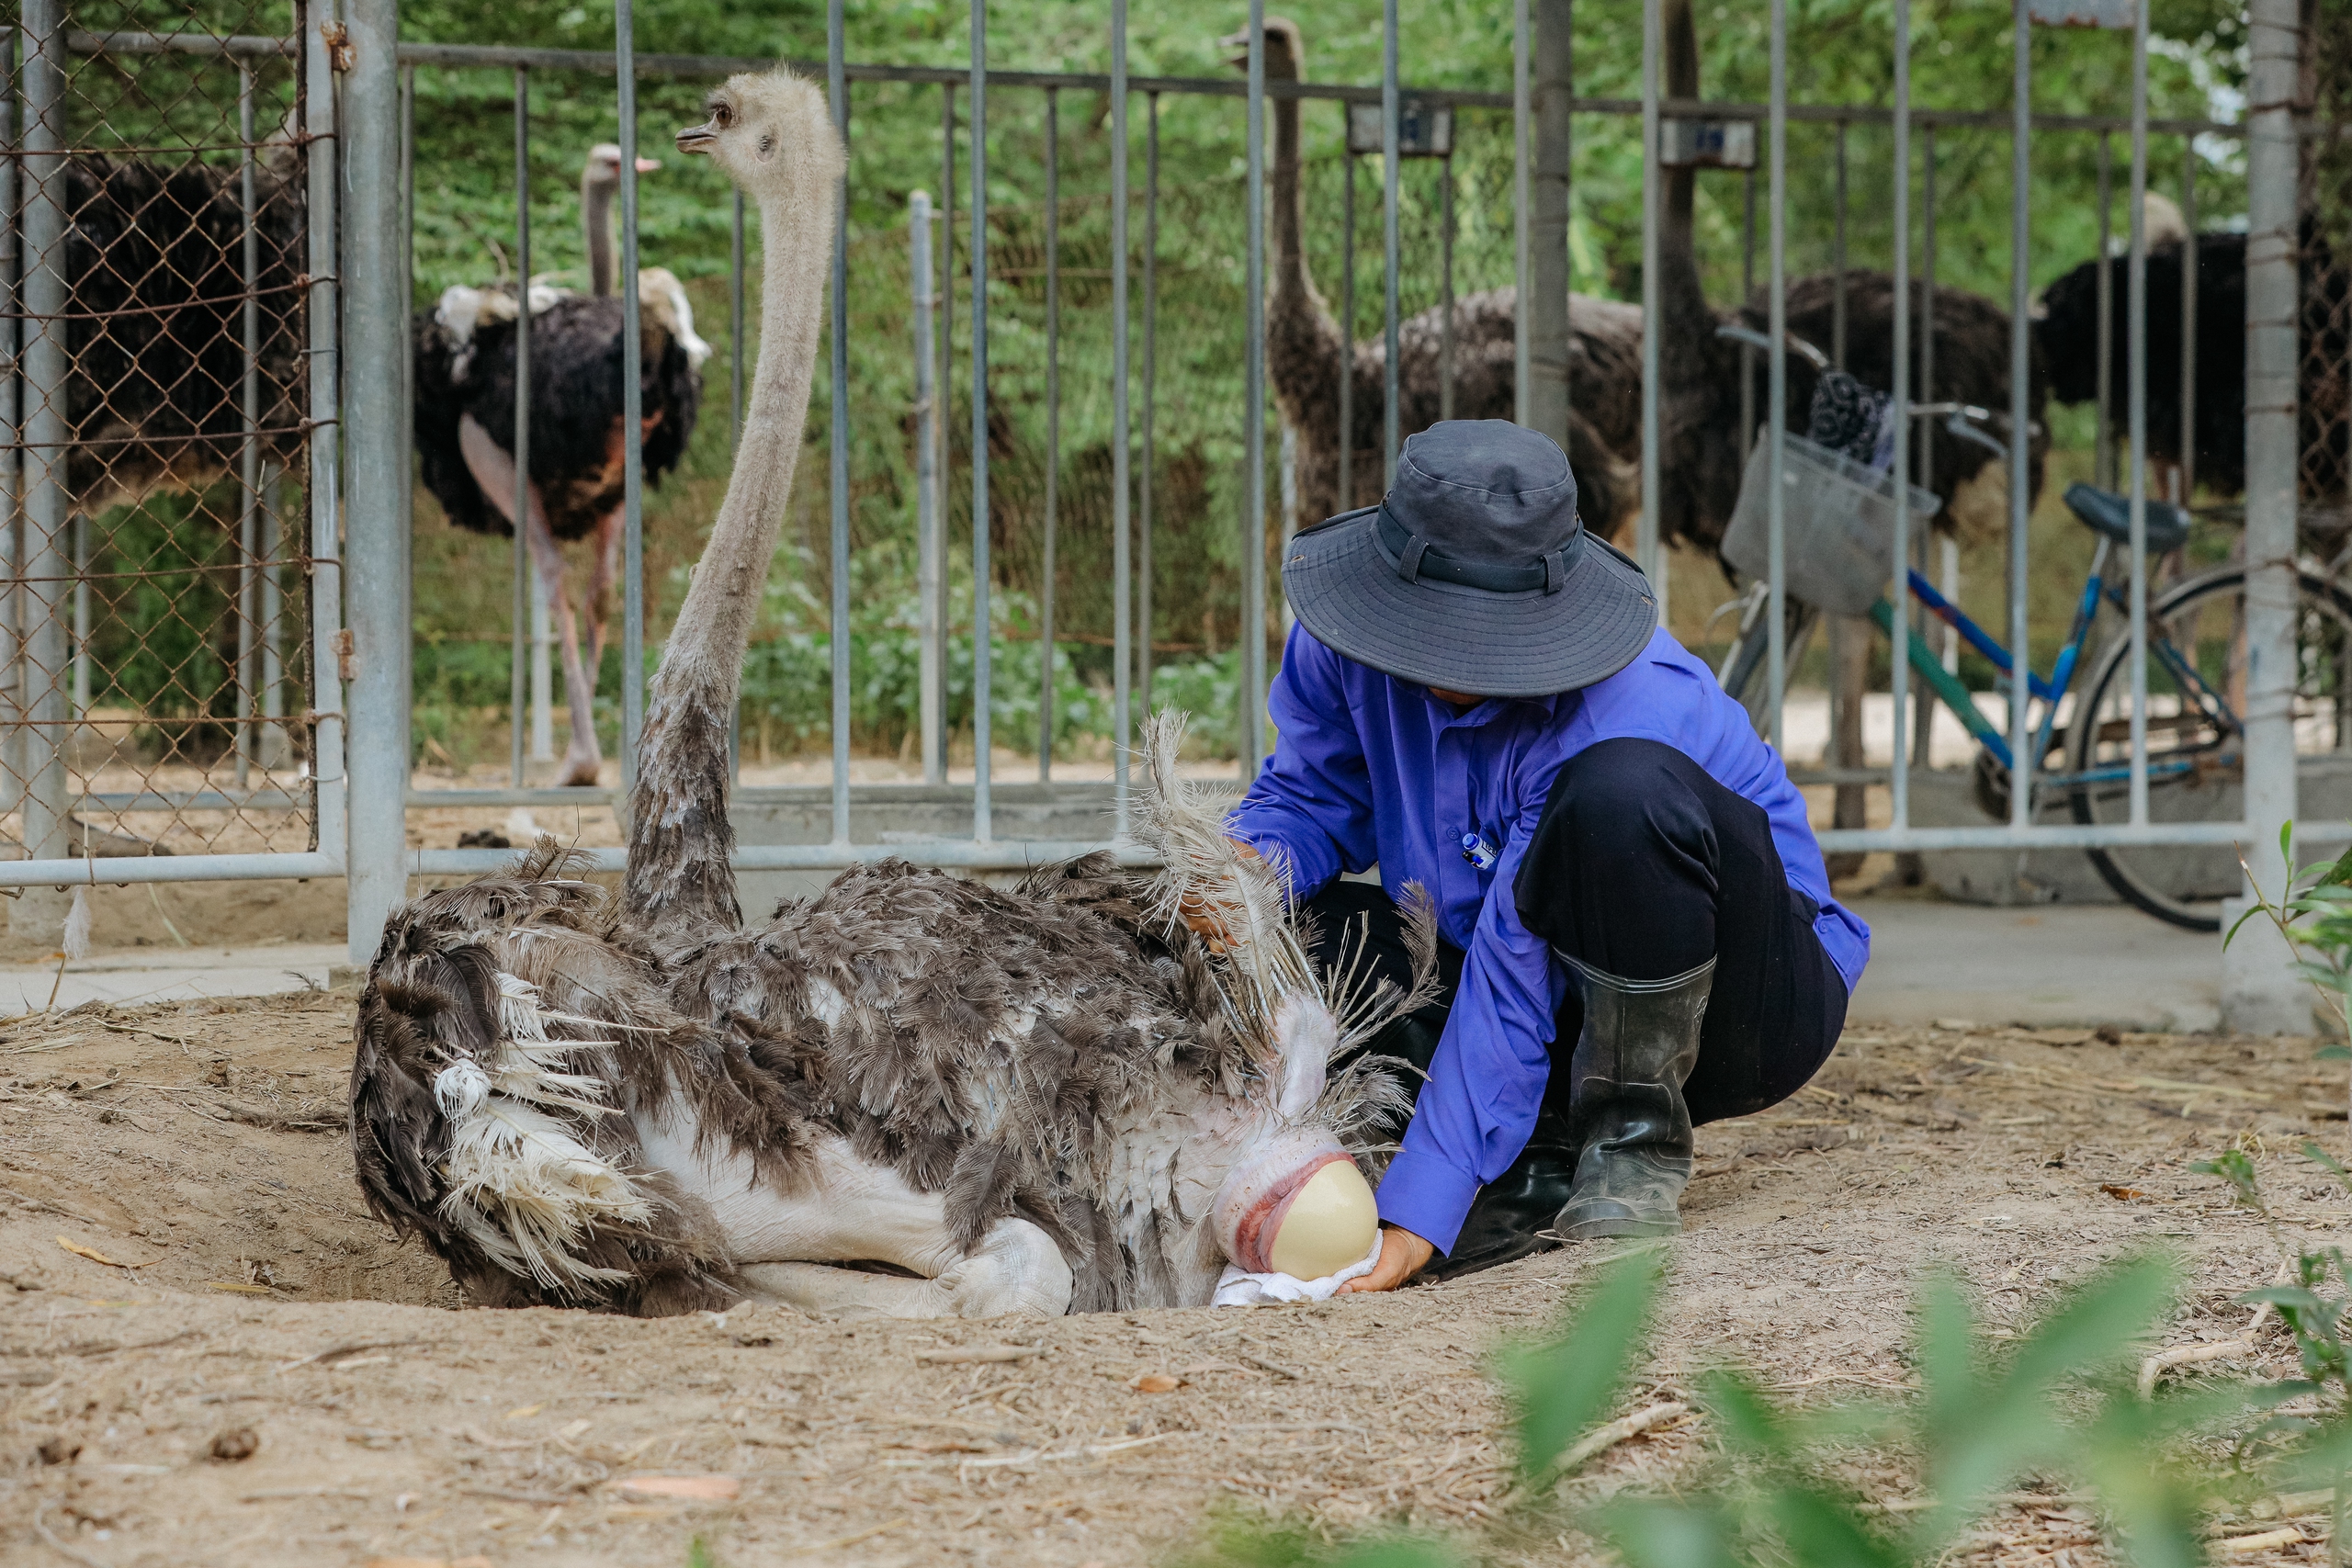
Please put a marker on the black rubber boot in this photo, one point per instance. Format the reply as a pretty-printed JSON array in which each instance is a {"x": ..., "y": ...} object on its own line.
[
  {"x": 1625, "y": 1108},
  {"x": 1511, "y": 1217}
]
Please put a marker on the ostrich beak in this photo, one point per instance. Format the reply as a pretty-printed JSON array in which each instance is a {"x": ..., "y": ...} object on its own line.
[
  {"x": 647, "y": 165},
  {"x": 703, "y": 138},
  {"x": 1238, "y": 41}
]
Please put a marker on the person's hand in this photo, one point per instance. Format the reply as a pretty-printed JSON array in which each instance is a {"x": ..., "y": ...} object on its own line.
[
  {"x": 1201, "y": 919},
  {"x": 1402, "y": 1255}
]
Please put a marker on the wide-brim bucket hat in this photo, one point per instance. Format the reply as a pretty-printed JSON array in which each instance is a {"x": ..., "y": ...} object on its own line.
[{"x": 1475, "y": 573}]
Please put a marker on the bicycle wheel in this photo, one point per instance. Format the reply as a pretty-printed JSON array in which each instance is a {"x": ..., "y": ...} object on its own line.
[{"x": 2197, "y": 670}]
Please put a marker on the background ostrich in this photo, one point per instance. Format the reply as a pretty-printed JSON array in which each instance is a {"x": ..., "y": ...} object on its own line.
[
  {"x": 992, "y": 1091},
  {"x": 154, "y": 268},
  {"x": 1305, "y": 347},
  {"x": 2068, "y": 335},
  {"x": 465, "y": 426}
]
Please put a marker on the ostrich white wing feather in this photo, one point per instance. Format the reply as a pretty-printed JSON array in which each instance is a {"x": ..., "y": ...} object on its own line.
[{"x": 538, "y": 1186}]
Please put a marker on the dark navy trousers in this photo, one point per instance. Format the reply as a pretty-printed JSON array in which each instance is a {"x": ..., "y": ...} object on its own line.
[{"x": 1645, "y": 867}]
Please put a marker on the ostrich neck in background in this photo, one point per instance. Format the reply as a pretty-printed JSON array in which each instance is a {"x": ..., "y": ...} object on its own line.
[
  {"x": 1689, "y": 322},
  {"x": 1304, "y": 343},
  {"x": 679, "y": 884},
  {"x": 596, "y": 216},
  {"x": 1290, "y": 259}
]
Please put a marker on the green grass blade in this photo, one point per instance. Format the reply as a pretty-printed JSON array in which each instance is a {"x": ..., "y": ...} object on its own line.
[{"x": 1564, "y": 1388}]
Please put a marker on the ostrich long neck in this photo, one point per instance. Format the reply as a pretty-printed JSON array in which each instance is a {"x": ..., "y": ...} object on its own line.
[
  {"x": 596, "y": 215},
  {"x": 678, "y": 881},
  {"x": 1305, "y": 345},
  {"x": 1690, "y": 339}
]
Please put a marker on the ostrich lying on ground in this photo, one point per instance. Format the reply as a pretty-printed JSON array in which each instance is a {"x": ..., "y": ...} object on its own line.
[
  {"x": 1048, "y": 1100},
  {"x": 1305, "y": 347},
  {"x": 465, "y": 424},
  {"x": 2068, "y": 334}
]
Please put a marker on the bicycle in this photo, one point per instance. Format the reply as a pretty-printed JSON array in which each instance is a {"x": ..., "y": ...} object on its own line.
[{"x": 1839, "y": 541}]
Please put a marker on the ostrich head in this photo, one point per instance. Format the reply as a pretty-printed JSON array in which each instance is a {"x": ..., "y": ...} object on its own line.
[
  {"x": 1285, "y": 50},
  {"x": 602, "y": 170},
  {"x": 1293, "y": 1201},
  {"x": 770, "y": 134}
]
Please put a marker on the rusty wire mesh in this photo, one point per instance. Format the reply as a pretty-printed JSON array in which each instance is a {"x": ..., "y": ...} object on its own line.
[
  {"x": 2326, "y": 477},
  {"x": 159, "y": 604}
]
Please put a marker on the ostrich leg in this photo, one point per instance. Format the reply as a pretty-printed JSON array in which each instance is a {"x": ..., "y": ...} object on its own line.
[
  {"x": 493, "y": 469},
  {"x": 601, "y": 578}
]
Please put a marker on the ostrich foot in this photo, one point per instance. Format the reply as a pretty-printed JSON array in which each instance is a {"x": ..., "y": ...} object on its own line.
[
  {"x": 582, "y": 769},
  {"x": 1017, "y": 1269}
]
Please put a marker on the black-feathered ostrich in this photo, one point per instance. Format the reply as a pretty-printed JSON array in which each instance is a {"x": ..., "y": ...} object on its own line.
[
  {"x": 1306, "y": 346},
  {"x": 1702, "y": 445},
  {"x": 2068, "y": 334},
  {"x": 1048, "y": 1100},
  {"x": 154, "y": 273},
  {"x": 465, "y": 426}
]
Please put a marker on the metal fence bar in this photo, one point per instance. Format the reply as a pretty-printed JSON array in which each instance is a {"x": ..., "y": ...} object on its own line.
[
  {"x": 1775, "y": 412},
  {"x": 274, "y": 747},
  {"x": 503, "y": 56},
  {"x": 1122, "y": 565},
  {"x": 928, "y": 556},
  {"x": 248, "y": 469},
  {"x": 1391, "y": 234},
  {"x": 2188, "y": 319},
  {"x": 632, "y": 414},
  {"x": 276, "y": 735},
  {"x": 2259, "y": 992},
  {"x": 983, "y": 816},
  {"x": 2136, "y": 333},
  {"x": 1898, "y": 626},
  {"x": 1014, "y": 854},
  {"x": 1150, "y": 376},
  {"x": 837, "y": 422},
  {"x": 323, "y": 160},
  {"x": 1645, "y": 531},
  {"x": 1053, "y": 430},
  {"x": 1253, "y": 411},
  {"x": 374, "y": 333},
  {"x": 1748, "y": 290},
  {"x": 1837, "y": 230},
  {"x": 81, "y": 706},
  {"x": 12, "y": 690},
  {"x": 943, "y": 381},
  {"x": 519, "y": 651},
  {"x": 1445, "y": 287},
  {"x": 2103, "y": 442},
  {"x": 42, "y": 650},
  {"x": 1522, "y": 169},
  {"x": 130, "y": 870},
  {"x": 1347, "y": 329},
  {"x": 2021, "y": 362}
]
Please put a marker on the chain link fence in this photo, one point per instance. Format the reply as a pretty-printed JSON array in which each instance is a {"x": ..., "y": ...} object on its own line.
[{"x": 155, "y": 674}]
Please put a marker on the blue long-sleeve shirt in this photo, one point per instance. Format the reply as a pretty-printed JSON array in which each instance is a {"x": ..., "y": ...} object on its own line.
[{"x": 1369, "y": 770}]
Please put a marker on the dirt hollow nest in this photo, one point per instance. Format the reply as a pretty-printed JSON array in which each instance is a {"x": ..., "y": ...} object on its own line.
[{"x": 209, "y": 1353}]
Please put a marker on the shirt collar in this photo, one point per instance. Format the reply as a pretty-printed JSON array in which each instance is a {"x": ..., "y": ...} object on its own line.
[{"x": 1489, "y": 712}]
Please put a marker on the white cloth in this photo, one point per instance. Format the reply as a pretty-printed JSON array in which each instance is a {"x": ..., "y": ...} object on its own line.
[{"x": 1239, "y": 1288}]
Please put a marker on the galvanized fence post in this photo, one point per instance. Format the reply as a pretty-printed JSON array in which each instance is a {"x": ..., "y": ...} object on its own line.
[
  {"x": 40, "y": 916},
  {"x": 929, "y": 557},
  {"x": 2260, "y": 994},
  {"x": 376, "y": 340}
]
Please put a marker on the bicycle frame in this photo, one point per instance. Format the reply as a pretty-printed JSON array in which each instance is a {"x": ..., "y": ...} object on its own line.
[{"x": 1955, "y": 696}]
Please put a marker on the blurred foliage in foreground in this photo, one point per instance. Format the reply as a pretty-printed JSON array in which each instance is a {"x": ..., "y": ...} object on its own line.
[{"x": 2054, "y": 1407}]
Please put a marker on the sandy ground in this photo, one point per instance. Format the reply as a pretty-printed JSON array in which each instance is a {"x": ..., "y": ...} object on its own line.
[{"x": 185, "y": 1272}]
